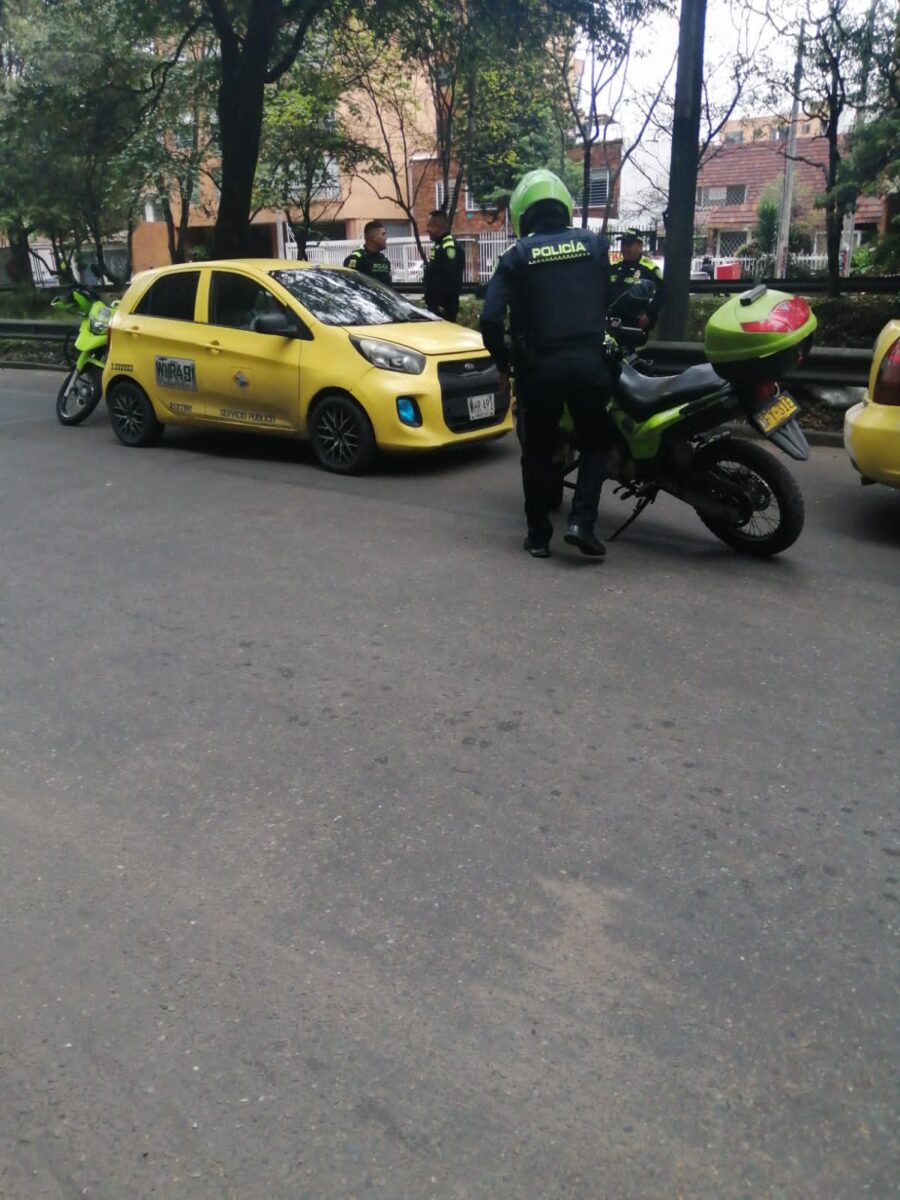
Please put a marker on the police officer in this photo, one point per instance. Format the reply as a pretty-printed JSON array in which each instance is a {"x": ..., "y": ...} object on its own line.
[
  {"x": 370, "y": 258},
  {"x": 444, "y": 270},
  {"x": 634, "y": 266},
  {"x": 554, "y": 282}
]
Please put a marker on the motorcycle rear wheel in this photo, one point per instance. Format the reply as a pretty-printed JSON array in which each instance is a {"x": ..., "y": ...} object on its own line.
[
  {"x": 774, "y": 502},
  {"x": 78, "y": 396}
]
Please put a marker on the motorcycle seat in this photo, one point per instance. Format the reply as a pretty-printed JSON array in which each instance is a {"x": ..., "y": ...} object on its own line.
[{"x": 641, "y": 396}]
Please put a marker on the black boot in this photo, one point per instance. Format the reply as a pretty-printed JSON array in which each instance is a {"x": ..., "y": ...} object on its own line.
[
  {"x": 583, "y": 536},
  {"x": 537, "y": 544}
]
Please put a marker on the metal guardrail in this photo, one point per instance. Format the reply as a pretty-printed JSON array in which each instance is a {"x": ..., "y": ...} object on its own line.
[
  {"x": 830, "y": 365},
  {"x": 37, "y": 331},
  {"x": 825, "y": 365}
]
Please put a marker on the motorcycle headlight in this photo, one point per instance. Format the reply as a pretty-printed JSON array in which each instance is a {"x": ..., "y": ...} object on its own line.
[
  {"x": 99, "y": 320},
  {"x": 389, "y": 356}
]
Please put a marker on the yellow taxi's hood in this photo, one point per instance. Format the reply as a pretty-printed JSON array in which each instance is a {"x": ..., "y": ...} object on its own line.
[{"x": 428, "y": 337}]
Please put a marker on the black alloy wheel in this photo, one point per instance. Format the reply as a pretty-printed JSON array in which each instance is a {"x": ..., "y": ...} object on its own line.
[
  {"x": 341, "y": 435},
  {"x": 132, "y": 417}
]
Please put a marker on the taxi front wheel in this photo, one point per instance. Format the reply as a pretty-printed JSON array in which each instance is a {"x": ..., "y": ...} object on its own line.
[
  {"x": 132, "y": 417},
  {"x": 341, "y": 435}
]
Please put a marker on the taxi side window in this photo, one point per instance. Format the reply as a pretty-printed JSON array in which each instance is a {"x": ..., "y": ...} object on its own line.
[
  {"x": 171, "y": 296},
  {"x": 236, "y": 301}
]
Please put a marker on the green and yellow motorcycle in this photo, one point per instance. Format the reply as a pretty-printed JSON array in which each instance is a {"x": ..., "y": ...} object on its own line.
[
  {"x": 81, "y": 389},
  {"x": 670, "y": 436}
]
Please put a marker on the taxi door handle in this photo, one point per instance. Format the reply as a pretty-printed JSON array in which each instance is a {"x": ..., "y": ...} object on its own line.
[
  {"x": 134, "y": 328},
  {"x": 213, "y": 347}
]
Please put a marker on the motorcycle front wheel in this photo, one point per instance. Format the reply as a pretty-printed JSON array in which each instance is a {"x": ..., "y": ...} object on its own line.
[
  {"x": 771, "y": 503},
  {"x": 78, "y": 396}
]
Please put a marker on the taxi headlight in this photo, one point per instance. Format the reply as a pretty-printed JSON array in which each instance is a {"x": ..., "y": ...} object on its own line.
[
  {"x": 389, "y": 356},
  {"x": 99, "y": 320}
]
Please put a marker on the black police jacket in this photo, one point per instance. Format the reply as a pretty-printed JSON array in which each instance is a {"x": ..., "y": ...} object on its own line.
[
  {"x": 370, "y": 262},
  {"x": 623, "y": 274},
  {"x": 555, "y": 288},
  {"x": 444, "y": 271}
]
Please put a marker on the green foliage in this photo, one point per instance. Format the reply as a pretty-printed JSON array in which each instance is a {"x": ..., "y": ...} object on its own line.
[
  {"x": 308, "y": 137},
  {"x": 765, "y": 231},
  {"x": 517, "y": 130},
  {"x": 68, "y": 119}
]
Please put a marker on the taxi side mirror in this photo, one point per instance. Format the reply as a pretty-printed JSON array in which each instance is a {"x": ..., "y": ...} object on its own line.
[{"x": 277, "y": 323}]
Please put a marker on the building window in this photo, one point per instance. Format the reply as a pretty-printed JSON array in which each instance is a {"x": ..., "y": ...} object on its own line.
[
  {"x": 734, "y": 138},
  {"x": 730, "y": 241},
  {"x": 779, "y": 133},
  {"x": 469, "y": 203},
  {"x": 805, "y": 128},
  {"x": 154, "y": 210},
  {"x": 327, "y": 183},
  {"x": 719, "y": 194},
  {"x": 599, "y": 189}
]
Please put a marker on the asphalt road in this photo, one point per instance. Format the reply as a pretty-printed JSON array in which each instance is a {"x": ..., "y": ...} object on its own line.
[{"x": 348, "y": 852}]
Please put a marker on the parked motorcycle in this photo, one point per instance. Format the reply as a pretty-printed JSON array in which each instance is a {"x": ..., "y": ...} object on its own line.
[
  {"x": 81, "y": 389},
  {"x": 669, "y": 435}
]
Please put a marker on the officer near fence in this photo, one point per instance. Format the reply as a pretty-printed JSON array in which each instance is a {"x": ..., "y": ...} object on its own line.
[
  {"x": 554, "y": 283},
  {"x": 370, "y": 258},
  {"x": 444, "y": 269},
  {"x": 634, "y": 266}
]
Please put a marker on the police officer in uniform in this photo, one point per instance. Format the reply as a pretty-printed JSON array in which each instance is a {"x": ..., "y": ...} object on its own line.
[
  {"x": 633, "y": 267},
  {"x": 370, "y": 258},
  {"x": 554, "y": 283},
  {"x": 444, "y": 270}
]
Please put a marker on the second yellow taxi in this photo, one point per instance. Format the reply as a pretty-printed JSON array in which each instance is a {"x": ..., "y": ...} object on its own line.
[{"x": 297, "y": 348}]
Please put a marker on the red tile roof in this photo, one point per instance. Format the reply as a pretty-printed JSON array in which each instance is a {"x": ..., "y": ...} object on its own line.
[{"x": 759, "y": 164}]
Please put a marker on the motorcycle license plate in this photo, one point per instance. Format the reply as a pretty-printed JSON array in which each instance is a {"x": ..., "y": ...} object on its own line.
[
  {"x": 481, "y": 407},
  {"x": 777, "y": 414}
]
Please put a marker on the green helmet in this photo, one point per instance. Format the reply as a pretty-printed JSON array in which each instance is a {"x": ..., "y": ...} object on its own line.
[{"x": 535, "y": 186}]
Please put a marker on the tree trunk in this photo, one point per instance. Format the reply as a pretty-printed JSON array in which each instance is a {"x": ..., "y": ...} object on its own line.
[
  {"x": 683, "y": 170},
  {"x": 240, "y": 126},
  {"x": 586, "y": 146},
  {"x": 19, "y": 268},
  {"x": 833, "y": 227}
]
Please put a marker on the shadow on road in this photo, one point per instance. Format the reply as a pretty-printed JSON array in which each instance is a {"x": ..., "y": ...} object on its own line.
[
  {"x": 870, "y": 514},
  {"x": 263, "y": 447}
]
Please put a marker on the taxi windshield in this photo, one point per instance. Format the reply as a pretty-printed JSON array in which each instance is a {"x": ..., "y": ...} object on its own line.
[{"x": 342, "y": 298}]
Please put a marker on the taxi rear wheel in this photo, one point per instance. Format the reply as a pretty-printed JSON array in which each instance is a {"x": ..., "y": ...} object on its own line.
[
  {"x": 341, "y": 435},
  {"x": 132, "y": 417}
]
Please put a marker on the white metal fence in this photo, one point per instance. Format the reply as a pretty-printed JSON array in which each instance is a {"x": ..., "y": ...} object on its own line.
[
  {"x": 484, "y": 249},
  {"x": 759, "y": 268}
]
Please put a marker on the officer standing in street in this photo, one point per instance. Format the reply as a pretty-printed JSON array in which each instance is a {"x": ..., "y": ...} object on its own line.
[
  {"x": 634, "y": 266},
  {"x": 444, "y": 270},
  {"x": 554, "y": 282},
  {"x": 370, "y": 258}
]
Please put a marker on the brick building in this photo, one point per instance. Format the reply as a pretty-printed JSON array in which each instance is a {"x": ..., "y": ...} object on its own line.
[{"x": 737, "y": 172}]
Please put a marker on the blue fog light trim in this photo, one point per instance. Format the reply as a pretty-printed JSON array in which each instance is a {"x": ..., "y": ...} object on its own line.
[{"x": 408, "y": 411}]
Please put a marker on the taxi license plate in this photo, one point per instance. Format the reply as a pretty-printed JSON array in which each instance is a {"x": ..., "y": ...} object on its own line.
[
  {"x": 779, "y": 412},
  {"x": 481, "y": 407}
]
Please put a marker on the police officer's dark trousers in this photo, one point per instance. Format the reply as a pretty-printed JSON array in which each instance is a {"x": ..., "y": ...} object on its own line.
[{"x": 578, "y": 377}]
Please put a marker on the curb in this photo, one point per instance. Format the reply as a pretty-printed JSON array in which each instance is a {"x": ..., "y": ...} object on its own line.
[{"x": 28, "y": 366}]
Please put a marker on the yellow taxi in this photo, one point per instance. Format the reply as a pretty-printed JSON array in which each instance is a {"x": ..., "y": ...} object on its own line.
[
  {"x": 289, "y": 347},
  {"x": 872, "y": 428}
]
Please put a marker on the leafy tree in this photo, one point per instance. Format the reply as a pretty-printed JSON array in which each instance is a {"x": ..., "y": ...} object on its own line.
[
  {"x": 309, "y": 139},
  {"x": 521, "y": 126},
  {"x": 765, "y": 231},
  {"x": 844, "y": 48},
  {"x": 591, "y": 49},
  {"x": 69, "y": 118}
]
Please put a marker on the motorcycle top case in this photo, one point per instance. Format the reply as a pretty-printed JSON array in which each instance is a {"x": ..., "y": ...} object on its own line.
[{"x": 758, "y": 335}]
